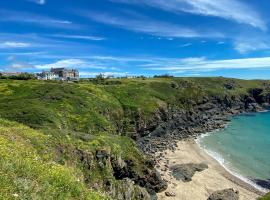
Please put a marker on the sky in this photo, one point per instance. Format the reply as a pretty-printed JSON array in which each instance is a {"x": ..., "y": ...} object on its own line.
[{"x": 182, "y": 38}]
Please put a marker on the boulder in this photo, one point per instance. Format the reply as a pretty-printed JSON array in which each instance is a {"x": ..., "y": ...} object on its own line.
[
  {"x": 185, "y": 172},
  {"x": 170, "y": 194},
  {"x": 227, "y": 194}
]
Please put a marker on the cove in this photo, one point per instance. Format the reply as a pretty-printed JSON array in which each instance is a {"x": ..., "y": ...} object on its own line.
[{"x": 243, "y": 147}]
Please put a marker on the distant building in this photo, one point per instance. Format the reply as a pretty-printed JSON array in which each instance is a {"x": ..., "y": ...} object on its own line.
[{"x": 60, "y": 74}]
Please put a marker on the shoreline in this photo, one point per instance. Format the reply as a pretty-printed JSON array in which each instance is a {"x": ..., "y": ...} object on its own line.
[
  {"x": 218, "y": 158},
  {"x": 203, "y": 183}
]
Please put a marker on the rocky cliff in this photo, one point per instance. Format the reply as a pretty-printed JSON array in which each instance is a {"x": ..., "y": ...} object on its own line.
[{"x": 171, "y": 124}]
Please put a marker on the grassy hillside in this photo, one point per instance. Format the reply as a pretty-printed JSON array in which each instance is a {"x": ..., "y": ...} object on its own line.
[
  {"x": 51, "y": 132},
  {"x": 94, "y": 108},
  {"x": 27, "y": 170},
  {"x": 62, "y": 106}
]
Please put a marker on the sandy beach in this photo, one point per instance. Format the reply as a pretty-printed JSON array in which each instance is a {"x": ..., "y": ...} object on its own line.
[{"x": 203, "y": 183}]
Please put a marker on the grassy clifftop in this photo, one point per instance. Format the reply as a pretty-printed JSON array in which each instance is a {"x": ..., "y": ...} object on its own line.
[
  {"x": 94, "y": 108},
  {"x": 27, "y": 170},
  {"x": 63, "y": 139}
]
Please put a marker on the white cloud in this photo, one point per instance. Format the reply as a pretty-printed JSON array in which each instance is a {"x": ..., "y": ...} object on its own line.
[
  {"x": 193, "y": 60},
  {"x": 22, "y": 53},
  {"x": 234, "y": 10},
  {"x": 40, "y": 2},
  {"x": 105, "y": 74},
  {"x": 101, "y": 58},
  {"x": 30, "y": 18},
  {"x": 71, "y": 63},
  {"x": 186, "y": 45},
  {"x": 246, "y": 46},
  {"x": 149, "y": 26},
  {"x": 93, "y": 65},
  {"x": 11, "y": 44},
  {"x": 11, "y": 58},
  {"x": 82, "y": 37},
  {"x": 221, "y": 42},
  {"x": 203, "y": 64},
  {"x": 18, "y": 66}
]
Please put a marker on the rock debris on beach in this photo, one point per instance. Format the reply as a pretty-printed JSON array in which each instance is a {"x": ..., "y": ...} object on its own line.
[
  {"x": 185, "y": 172},
  {"x": 228, "y": 194}
]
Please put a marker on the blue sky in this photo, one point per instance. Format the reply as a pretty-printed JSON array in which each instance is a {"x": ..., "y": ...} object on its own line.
[{"x": 137, "y": 37}]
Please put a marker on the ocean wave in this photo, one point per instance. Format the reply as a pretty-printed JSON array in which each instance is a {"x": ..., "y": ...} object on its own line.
[
  {"x": 220, "y": 159},
  {"x": 201, "y": 136}
]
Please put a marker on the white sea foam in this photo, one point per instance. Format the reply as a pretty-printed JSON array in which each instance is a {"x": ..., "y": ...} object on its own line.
[
  {"x": 219, "y": 158},
  {"x": 264, "y": 111},
  {"x": 203, "y": 135}
]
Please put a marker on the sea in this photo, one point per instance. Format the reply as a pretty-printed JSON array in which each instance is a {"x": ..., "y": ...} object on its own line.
[{"x": 243, "y": 148}]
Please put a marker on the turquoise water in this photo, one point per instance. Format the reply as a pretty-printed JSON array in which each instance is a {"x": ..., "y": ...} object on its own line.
[{"x": 243, "y": 147}]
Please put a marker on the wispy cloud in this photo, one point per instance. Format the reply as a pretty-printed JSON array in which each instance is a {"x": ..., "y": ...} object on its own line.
[
  {"x": 98, "y": 62},
  {"x": 203, "y": 64},
  {"x": 148, "y": 26},
  {"x": 48, "y": 47},
  {"x": 16, "y": 65},
  {"x": 81, "y": 37},
  {"x": 34, "y": 53},
  {"x": 93, "y": 65},
  {"x": 70, "y": 63},
  {"x": 221, "y": 42},
  {"x": 234, "y": 10},
  {"x": 155, "y": 65},
  {"x": 186, "y": 45},
  {"x": 12, "y": 44},
  {"x": 40, "y": 2},
  {"x": 31, "y": 18},
  {"x": 247, "y": 45},
  {"x": 19, "y": 66},
  {"x": 106, "y": 74},
  {"x": 102, "y": 58}
]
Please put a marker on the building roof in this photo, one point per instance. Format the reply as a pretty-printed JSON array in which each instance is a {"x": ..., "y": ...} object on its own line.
[{"x": 57, "y": 70}]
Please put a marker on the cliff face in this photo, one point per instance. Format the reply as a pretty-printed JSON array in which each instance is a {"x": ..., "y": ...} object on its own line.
[
  {"x": 171, "y": 124},
  {"x": 120, "y": 180},
  {"x": 93, "y": 129}
]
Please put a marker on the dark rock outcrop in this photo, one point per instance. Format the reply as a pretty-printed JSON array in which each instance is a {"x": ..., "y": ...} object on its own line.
[
  {"x": 263, "y": 183},
  {"x": 150, "y": 179},
  {"x": 228, "y": 194},
  {"x": 185, "y": 172},
  {"x": 128, "y": 181},
  {"x": 171, "y": 124},
  {"x": 126, "y": 189}
]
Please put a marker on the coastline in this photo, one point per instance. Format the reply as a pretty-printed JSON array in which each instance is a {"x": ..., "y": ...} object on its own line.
[
  {"x": 218, "y": 158},
  {"x": 203, "y": 183},
  {"x": 168, "y": 132}
]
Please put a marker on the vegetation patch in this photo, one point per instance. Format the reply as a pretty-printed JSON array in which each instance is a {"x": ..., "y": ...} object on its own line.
[{"x": 61, "y": 140}]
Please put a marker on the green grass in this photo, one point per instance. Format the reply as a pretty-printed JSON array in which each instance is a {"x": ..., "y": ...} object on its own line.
[
  {"x": 61, "y": 106},
  {"x": 43, "y": 125},
  {"x": 266, "y": 197},
  {"x": 25, "y": 174},
  {"x": 93, "y": 108}
]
